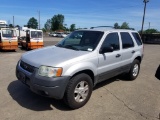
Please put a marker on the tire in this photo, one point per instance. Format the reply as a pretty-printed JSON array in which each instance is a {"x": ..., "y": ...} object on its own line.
[
  {"x": 134, "y": 71},
  {"x": 78, "y": 91},
  {"x": 27, "y": 48},
  {"x": 22, "y": 46}
]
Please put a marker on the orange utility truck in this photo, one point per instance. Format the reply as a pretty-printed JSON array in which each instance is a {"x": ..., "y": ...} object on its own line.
[
  {"x": 33, "y": 40},
  {"x": 8, "y": 39}
]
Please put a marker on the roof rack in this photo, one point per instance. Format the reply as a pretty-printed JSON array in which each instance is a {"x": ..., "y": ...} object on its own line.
[{"x": 103, "y": 27}]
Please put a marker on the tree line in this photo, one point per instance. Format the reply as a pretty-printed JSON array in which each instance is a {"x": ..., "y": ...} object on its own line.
[
  {"x": 125, "y": 25},
  {"x": 56, "y": 23}
]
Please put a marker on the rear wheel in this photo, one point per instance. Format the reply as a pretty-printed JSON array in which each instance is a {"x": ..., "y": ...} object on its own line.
[
  {"x": 78, "y": 91},
  {"x": 27, "y": 48},
  {"x": 134, "y": 71},
  {"x": 22, "y": 45}
]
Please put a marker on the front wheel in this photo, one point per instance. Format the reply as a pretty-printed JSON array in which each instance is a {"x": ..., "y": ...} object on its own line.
[
  {"x": 78, "y": 91},
  {"x": 134, "y": 71}
]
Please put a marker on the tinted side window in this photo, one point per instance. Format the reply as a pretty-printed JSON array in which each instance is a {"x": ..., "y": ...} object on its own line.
[
  {"x": 127, "y": 41},
  {"x": 112, "y": 40},
  {"x": 137, "y": 38}
]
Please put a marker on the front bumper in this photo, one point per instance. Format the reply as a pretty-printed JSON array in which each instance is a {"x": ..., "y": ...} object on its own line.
[{"x": 45, "y": 86}]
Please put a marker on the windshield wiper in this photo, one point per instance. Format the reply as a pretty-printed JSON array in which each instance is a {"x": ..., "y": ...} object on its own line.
[
  {"x": 59, "y": 45},
  {"x": 70, "y": 47}
]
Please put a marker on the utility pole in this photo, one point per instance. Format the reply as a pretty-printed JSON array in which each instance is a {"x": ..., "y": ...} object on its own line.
[
  {"x": 13, "y": 21},
  {"x": 39, "y": 19},
  {"x": 145, "y": 2},
  {"x": 149, "y": 25}
]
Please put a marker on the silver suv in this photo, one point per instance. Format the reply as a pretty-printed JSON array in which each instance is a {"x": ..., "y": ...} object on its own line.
[{"x": 70, "y": 69}]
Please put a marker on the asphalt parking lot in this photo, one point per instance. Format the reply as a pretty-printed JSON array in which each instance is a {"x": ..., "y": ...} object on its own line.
[{"x": 115, "y": 99}]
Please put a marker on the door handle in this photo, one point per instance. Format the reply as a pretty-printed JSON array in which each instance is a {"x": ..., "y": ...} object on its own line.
[
  {"x": 118, "y": 55},
  {"x": 133, "y": 51}
]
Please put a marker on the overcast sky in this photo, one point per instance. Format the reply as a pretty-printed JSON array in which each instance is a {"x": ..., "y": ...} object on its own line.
[{"x": 83, "y": 13}]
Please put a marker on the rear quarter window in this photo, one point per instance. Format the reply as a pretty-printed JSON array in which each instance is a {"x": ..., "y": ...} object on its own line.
[
  {"x": 127, "y": 41},
  {"x": 137, "y": 38}
]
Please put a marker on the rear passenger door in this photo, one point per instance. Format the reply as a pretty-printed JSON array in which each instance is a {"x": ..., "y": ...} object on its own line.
[
  {"x": 109, "y": 62},
  {"x": 127, "y": 50}
]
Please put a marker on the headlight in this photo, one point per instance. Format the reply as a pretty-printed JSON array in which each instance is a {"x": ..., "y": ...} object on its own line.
[{"x": 49, "y": 71}]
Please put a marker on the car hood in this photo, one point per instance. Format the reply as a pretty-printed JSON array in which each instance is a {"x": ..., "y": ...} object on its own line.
[{"x": 52, "y": 56}]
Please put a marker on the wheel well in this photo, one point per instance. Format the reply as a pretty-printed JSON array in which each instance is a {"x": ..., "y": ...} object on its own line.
[
  {"x": 139, "y": 58},
  {"x": 88, "y": 72}
]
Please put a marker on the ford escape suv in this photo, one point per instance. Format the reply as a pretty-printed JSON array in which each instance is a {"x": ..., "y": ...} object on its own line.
[{"x": 71, "y": 68}]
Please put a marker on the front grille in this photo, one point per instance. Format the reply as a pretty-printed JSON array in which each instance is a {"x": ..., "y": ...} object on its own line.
[{"x": 27, "y": 67}]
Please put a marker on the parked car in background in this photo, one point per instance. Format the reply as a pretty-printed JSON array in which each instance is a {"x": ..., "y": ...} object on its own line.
[
  {"x": 53, "y": 34},
  {"x": 50, "y": 34},
  {"x": 64, "y": 35},
  {"x": 61, "y": 34}
]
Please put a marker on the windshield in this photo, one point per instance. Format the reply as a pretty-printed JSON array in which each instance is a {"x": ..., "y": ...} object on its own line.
[
  {"x": 3, "y": 25},
  {"x": 8, "y": 33},
  {"x": 81, "y": 40},
  {"x": 36, "y": 34}
]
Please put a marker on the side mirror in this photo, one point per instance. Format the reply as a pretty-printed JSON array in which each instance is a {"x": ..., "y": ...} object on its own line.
[{"x": 106, "y": 49}]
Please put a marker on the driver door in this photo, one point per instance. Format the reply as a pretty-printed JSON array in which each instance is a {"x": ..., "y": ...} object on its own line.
[{"x": 109, "y": 62}]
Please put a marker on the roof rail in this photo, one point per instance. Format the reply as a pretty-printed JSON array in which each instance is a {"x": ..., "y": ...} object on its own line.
[{"x": 103, "y": 27}]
